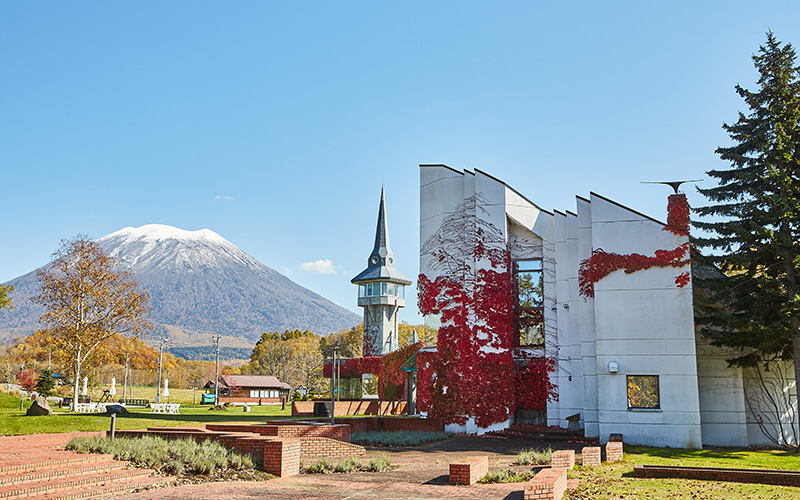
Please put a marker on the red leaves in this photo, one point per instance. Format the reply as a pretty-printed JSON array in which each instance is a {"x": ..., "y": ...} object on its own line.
[
  {"x": 601, "y": 264},
  {"x": 534, "y": 388},
  {"x": 472, "y": 372},
  {"x": 682, "y": 280},
  {"x": 678, "y": 215}
]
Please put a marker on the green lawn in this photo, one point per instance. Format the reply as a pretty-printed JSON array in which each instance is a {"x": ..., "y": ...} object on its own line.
[
  {"x": 616, "y": 481},
  {"x": 13, "y": 422}
]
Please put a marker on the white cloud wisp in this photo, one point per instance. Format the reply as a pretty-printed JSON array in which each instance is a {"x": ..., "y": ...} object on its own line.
[{"x": 324, "y": 266}]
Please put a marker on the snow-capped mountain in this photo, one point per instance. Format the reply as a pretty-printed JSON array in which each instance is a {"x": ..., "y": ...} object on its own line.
[{"x": 200, "y": 284}]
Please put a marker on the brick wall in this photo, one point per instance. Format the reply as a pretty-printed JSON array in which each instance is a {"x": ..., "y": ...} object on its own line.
[
  {"x": 613, "y": 451},
  {"x": 590, "y": 455},
  {"x": 760, "y": 476},
  {"x": 469, "y": 470},
  {"x": 563, "y": 459},
  {"x": 352, "y": 407},
  {"x": 282, "y": 456},
  {"x": 288, "y": 429},
  {"x": 387, "y": 424},
  {"x": 318, "y": 447},
  {"x": 548, "y": 484},
  {"x": 302, "y": 408}
]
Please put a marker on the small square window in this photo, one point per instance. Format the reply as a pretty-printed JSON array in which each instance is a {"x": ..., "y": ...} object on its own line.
[{"x": 643, "y": 392}]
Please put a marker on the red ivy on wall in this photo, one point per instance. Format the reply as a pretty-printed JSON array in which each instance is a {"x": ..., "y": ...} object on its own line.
[
  {"x": 387, "y": 368},
  {"x": 533, "y": 384},
  {"x": 678, "y": 215},
  {"x": 602, "y": 263},
  {"x": 472, "y": 371}
]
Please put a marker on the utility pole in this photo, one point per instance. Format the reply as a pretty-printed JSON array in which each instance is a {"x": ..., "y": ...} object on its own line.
[
  {"x": 334, "y": 385},
  {"x": 160, "y": 357},
  {"x": 215, "y": 340},
  {"x": 125, "y": 384}
]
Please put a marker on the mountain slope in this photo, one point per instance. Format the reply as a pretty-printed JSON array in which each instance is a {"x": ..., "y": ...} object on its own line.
[{"x": 200, "y": 284}]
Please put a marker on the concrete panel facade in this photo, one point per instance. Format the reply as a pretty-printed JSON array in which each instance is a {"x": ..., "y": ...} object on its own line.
[{"x": 637, "y": 324}]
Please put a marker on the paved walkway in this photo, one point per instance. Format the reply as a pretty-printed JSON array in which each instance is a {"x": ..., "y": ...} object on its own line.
[{"x": 422, "y": 473}]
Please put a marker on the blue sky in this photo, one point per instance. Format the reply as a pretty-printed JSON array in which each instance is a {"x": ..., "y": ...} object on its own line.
[{"x": 275, "y": 123}]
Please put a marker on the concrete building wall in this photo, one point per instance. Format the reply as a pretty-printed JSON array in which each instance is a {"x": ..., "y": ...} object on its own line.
[
  {"x": 723, "y": 412},
  {"x": 645, "y": 324},
  {"x": 642, "y": 321}
]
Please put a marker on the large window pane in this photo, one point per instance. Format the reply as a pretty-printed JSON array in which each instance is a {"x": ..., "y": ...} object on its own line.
[
  {"x": 643, "y": 392},
  {"x": 529, "y": 282}
]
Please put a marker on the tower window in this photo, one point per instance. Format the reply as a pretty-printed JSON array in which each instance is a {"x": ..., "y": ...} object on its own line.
[{"x": 529, "y": 306}]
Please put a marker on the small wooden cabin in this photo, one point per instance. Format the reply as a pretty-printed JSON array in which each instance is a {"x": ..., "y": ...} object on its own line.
[{"x": 251, "y": 389}]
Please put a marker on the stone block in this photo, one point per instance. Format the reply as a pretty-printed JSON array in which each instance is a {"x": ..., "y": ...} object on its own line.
[{"x": 39, "y": 407}]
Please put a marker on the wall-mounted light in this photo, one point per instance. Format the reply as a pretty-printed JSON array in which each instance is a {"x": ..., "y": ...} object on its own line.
[{"x": 613, "y": 367}]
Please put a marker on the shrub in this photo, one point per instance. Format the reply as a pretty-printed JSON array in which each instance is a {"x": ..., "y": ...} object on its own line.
[
  {"x": 507, "y": 476},
  {"x": 534, "y": 457},
  {"x": 321, "y": 466},
  {"x": 378, "y": 464},
  {"x": 398, "y": 438},
  {"x": 180, "y": 456},
  {"x": 349, "y": 464}
]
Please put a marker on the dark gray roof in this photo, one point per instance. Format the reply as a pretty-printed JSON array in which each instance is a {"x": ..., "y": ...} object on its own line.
[{"x": 381, "y": 264}]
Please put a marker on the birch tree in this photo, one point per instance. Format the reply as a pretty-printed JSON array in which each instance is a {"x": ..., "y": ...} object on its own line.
[{"x": 88, "y": 299}]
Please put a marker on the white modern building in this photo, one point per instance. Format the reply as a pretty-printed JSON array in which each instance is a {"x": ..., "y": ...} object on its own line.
[{"x": 628, "y": 359}]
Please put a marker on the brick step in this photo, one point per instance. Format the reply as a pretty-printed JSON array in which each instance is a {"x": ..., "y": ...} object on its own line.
[
  {"x": 21, "y": 463},
  {"x": 104, "y": 489},
  {"x": 62, "y": 470},
  {"x": 86, "y": 481}
]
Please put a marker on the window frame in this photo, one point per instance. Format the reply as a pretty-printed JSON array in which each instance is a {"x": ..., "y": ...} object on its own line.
[
  {"x": 657, "y": 406},
  {"x": 526, "y": 266}
]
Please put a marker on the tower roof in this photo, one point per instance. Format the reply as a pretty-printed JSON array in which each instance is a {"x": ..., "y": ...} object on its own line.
[{"x": 381, "y": 264}]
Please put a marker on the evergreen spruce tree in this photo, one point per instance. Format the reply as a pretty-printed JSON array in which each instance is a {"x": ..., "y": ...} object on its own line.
[
  {"x": 754, "y": 240},
  {"x": 45, "y": 384}
]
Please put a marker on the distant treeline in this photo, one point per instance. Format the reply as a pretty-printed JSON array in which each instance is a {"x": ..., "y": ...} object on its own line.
[{"x": 207, "y": 353}]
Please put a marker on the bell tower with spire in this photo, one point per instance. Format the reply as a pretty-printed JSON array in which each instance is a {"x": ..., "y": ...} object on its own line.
[{"x": 381, "y": 292}]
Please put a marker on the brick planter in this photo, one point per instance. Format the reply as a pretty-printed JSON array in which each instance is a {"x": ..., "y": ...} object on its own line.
[
  {"x": 469, "y": 471},
  {"x": 613, "y": 451},
  {"x": 563, "y": 459},
  {"x": 759, "y": 476},
  {"x": 548, "y": 484},
  {"x": 590, "y": 455}
]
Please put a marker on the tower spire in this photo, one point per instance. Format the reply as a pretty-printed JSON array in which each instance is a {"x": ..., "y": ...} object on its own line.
[
  {"x": 381, "y": 291},
  {"x": 381, "y": 249}
]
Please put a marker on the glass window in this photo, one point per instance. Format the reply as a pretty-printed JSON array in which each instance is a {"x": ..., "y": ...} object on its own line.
[
  {"x": 369, "y": 289},
  {"x": 643, "y": 392},
  {"x": 253, "y": 394},
  {"x": 529, "y": 283},
  {"x": 402, "y": 290},
  {"x": 362, "y": 290}
]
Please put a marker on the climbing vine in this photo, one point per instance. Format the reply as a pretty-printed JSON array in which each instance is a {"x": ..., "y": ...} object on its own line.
[
  {"x": 533, "y": 384},
  {"x": 387, "y": 369},
  {"x": 472, "y": 371},
  {"x": 602, "y": 263}
]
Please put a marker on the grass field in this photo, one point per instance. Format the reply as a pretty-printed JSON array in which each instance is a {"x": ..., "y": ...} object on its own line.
[
  {"x": 616, "y": 481},
  {"x": 13, "y": 422}
]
